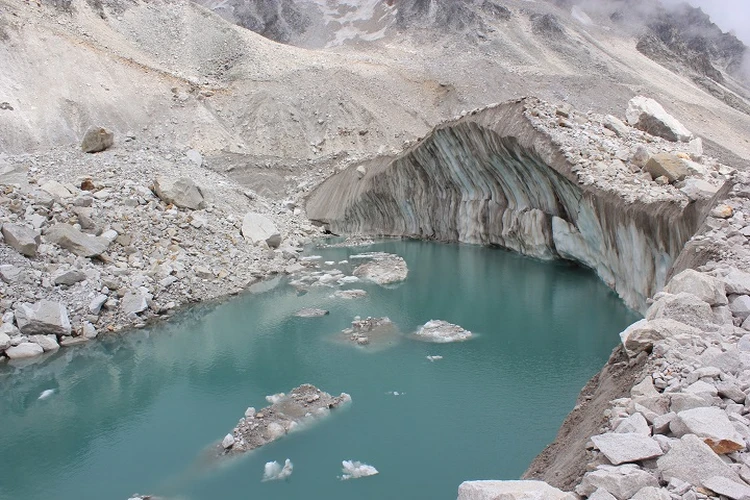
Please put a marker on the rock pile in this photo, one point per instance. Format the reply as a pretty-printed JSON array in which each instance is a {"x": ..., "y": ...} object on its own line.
[
  {"x": 285, "y": 414},
  {"x": 365, "y": 331},
  {"x": 122, "y": 237}
]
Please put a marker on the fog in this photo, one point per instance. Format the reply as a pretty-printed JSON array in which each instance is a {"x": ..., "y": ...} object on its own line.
[{"x": 729, "y": 15}]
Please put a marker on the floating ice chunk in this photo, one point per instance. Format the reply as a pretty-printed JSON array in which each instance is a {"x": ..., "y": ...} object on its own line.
[
  {"x": 434, "y": 358},
  {"x": 46, "y": 393},
  {"x": 275, "y": 398},
  {"x": 354, "y": 470},
  {"x": 395, "y": 393},
  {"x": 273, "y": 471}
]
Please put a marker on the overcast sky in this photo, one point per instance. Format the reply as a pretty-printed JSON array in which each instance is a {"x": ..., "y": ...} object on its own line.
[{"x": 729, "y": 15}]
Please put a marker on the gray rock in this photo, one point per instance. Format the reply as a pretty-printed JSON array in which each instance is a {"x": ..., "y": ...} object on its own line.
[
  {"x": 510, "y": 490},
  {"x": 661, "y": 423},
  {"x": 616, "y": 125},
  {"x": 698, "y": 189},
  {"x": 711, "y": 424},
  {"x": 181, "y": 192},
  {"x": 620, "y": 448},
  {"x": 96, "y": 304},
  {"x": 56, "y": 190},
  {"x": 648, "y": 115},
  {"x": 48, "y": 342},
  {"x": 634, "y": 424},
  {"x": 731, "y": 390},
  {"x": 693, "y": 461},
  {"x": 685, "y": 308},
  {"x": 10, "y": 174},
  {"x": 361, "y": 172},
  {"x": 622, "y": 481},
  {"x": 69, "y": 277},
  {"x": 684, "y": 401},
  {"x": 667, "y": 165},
  {"x": 134, "y": 302},
  {"x": 643, "y": 334},
  {"x": 89, "y": 330},
  {"x": 195, "y": 157},
  {"x": 24, "y": 350},
  {"x": 644, "y": 389},
  {"x": 70, "y": 238},
  {"x": 737, "y": 282},
  {"x": 601, "y": 494},
  {"x": 22, "y": 239},
  {"x": 705, "y": 287},
  {"x": 43, "y": 317},
  {"x": 227, "y": 442},
  {"x": 97, "y": 139},
  {"x": 4, "y": 341},
  {"x": 10, "y": 273},
  {"x": 257, "y": 228},
  {"x": 740, "y": 307},
  {"x": 652, "y": 493},
  {"x": 727, "y": 488}
]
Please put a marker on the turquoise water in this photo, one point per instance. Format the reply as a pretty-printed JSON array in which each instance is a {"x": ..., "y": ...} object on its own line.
[{"x": 136, "y": 413}]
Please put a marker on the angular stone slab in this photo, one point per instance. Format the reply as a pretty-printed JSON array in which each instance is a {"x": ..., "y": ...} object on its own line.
[
  {"x": 24, "y": 350},
  {"x": 510, "y": 490},
  {"x": 620, "y": 448},
  {"x": 706, "y": 288},
  {"x": 727, "y": 487},
  {"x": 693, "y": 461},
  {"x": 648, "y": 115},
  {"x": 181, "y": 192},
  {"x": 712, "y": 425},
  {"x": 22, "y": 239},
  {"x": 68, "y": 237},
  {"x": 622, "y": 481},
  {"x": 43, "y": 317},
  {"x": 643, "y": 334},
  {"x": 257, "y": 228}
]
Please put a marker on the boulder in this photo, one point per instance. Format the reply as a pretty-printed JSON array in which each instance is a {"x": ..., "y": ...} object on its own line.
[
  {"x": 24, "y": 350},
  {"x": 648, "y": 115},
  {"x": 4, "y": 341},
  {"x": 134, "y": 302},
  {"x": 712, "y": 425},
  {"x": 68, "y": 277},
  {"x": 227, "y": 442},
  {"x": 89, "y": 330},
  {"x": 10, "y": 273},
  {"x": 181, "y": 192},
  {"x": 685, "y": 308},
  {"x": 706, "y": 288},
  {"x": 620, "y": 448},
  {"x": 727, "y": 488},
  {"x": 70, "y": 238},
  {"x": 634, "y": 424},
  {"x": 96, "y": 303},
  {"x": 510, "y": 490},
  {"x": 195, "y": 157},
  {"x": 97, "y": 139},
  {"x": 693, "y": 461},
  {"x": 682, "y": 401},
  {"x": 616, "y": 125},
  {"x": 22, "y": 239},
  {"x": 13, "y": 174},
  {"x": 257, "y": 228},
  {"x": 667, "y": 165},
  {"x": 740, "y": 307},
  {"x": 601, "y": 494},
  {"x": 643, "y": 334},
  {"x": 43, "y": 317},
  {"x": 56, "y": 190},
  {"x": 48, "y": 342},
  {"x": 652, "y": 493},
  {"x": 622, "y": 481},
  {"x": 737, "y": 282}
]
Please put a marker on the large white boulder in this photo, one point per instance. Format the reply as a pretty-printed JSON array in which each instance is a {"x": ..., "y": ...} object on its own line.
[
  {"x": 706, "y": 288},
  {"x": 643, "y": 334},
  {"x": 693, "y": 461},
  {"x": 621, "y": 481},
  {"x": 685, "y": 308},
  {"x": 97, "y": 139},
  {"x": 24, "y": 350},
  {"x": 22, "y": 239},
  {"x": 182, "y": 192},
  {"x": 510, "y": 490},
  {"x": 257, "y": 228},
  {"x": 43, "y": 317},
  {"x": 648, "y": 115}
]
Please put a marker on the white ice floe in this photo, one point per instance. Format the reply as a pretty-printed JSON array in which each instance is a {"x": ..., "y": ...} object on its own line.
[
  {"x": 354, "y": 470},
  {"x": 46, "y": 393},
  {"x": 434, "y": 358},
  {"x": 395, "y": 393},
  {"x": 275, "y": 398},
  {"x": 273, "y": 471},
  {"x": 442, "y": 332}
]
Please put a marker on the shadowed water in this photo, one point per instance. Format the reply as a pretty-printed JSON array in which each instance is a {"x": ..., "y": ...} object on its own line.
[{"x": 136, "y": 413}]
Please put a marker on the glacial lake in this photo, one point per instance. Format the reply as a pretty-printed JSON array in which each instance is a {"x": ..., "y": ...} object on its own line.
[{"x": 139, "y": 412}]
